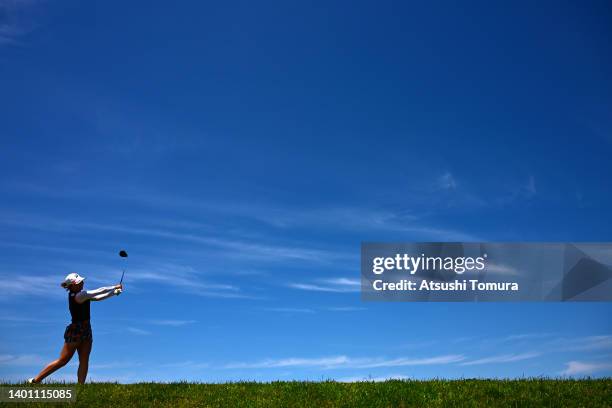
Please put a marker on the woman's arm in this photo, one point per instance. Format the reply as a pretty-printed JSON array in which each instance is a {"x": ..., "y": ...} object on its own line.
[
  {"x": 96, "y": 294},
  {"x": 106, "y": 295}
]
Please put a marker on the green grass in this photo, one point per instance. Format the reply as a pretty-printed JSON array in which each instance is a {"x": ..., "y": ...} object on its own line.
[{"x": 395, "y": 393}]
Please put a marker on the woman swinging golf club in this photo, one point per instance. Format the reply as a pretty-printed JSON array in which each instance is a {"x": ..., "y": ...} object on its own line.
[{"x": 78, "y": 336}]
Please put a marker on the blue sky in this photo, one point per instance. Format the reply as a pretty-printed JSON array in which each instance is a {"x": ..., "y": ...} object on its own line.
[{"x": 241, "y": 153}]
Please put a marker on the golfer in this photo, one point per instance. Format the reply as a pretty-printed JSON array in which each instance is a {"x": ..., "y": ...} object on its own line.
[{"x": 78, "y": 336}]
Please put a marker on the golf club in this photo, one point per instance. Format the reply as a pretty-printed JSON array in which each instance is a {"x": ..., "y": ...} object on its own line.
[{"x": 122, "y": 254}]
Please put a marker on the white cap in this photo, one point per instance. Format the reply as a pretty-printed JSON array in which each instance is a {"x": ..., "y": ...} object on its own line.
[{"x": 72, "y": 278}]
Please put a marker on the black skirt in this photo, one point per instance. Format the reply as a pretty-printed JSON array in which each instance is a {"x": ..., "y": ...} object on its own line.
[{"x": 77, "y": 332}]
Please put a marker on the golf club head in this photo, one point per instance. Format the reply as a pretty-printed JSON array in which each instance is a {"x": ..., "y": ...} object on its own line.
[{"x": 123, "y": 254}]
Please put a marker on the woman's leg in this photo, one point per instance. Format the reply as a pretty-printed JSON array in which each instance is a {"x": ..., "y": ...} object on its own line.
[
  {"x": 84, "y": 349},
  {"x": 65, "y": 356}
]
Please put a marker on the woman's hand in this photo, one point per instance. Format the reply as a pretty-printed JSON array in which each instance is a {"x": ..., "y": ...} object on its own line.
[{"x": 119, "y": 286}]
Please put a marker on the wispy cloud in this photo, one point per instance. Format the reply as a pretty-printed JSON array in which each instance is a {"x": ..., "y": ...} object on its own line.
[
  {"x": 502, "y": 358},
  {"x": 173, "y": 323},
  {"x": 14, "y": 20},
  {"x": 333, "y": 216},
  {"x": 16, "y": 318},
  {"x": 583, "y": 343},
  {"x": 347, "y": 218},
  {"x": 525, "y": 336},
  {"x": 290, "y": 310},
  {"x": 187, "y": 280},
  {"x": 113, "y": 365},
  {"x": 446, "y": 182},
  {"x": 329, "y": 285},
  {"x": 9, "y": 33},
  {"x": 47, "y": 286},
  {"x": 445, "y": 191},
  {"x": 21, "y": 360},
  {"x": 329, "y": 217},
  {"x": 324, "y": 362},
  {"x": 579, "y": 368},
  {"x": 337, "y": 362},
  {"x": 400, "y": 362},
  {"x": 417, "y": 344},
  {"x": 346, "y": 309},
  {"x": 366, "y": 378},
  {"x": 50, "y": 248},
  {"x": 182, "y": 277},
  {"x": 530, "y": 187},
  {"x": 518, "y": 192},
  {"x": 189, "y": 364},
  {"x": 464, "y": 339},
  {"x": 448, "y": 190},
  {"x": 139, "y": 332},
  {"x": 238, "y": 248}
]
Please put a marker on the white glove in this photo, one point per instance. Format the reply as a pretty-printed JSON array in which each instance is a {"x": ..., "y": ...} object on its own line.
[{"x": 117, "y": 292}]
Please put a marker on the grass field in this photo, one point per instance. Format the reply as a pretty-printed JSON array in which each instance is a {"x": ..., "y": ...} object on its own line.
[{"x": 394, "y": 393}]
